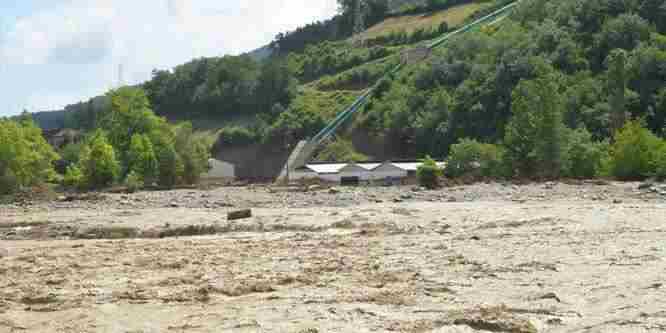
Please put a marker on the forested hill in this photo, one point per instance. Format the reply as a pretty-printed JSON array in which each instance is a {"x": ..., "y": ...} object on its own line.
[
  {"x": 212, "y": 91},
  {"x": 466, "y": 89}
]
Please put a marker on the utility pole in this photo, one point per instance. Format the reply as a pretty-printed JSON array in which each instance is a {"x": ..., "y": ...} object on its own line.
[
  {"x": 120, "y": 75},
  {"x": 359, "y": 25},
  {"x": 358, "y": 22}
]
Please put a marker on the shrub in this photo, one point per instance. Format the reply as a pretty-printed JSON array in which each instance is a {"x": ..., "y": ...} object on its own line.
[
  {"x": 659, "y": 163},
  {"x": 428, "y": 173},
  {"x": 74, "y": 177},
  {"x": 472, "y": 157},
  {"x": 342, "y": 151},
  {"x": 26, "y": 158},
  {"x": 237, "y": 135},
  {"x": 8, "y": 182},
  {"x": 71, "y": 153},
  {"x": 170, "y": 167},
  {"x": 194, "y": 151},
  {"x": 98, "y": 162},
  {"x": 634, "y": 152},
  {"x": 583, "y": 156},
  {"x": 535, "y": 133},
  {"x": 133, "y": 182},
  {"x": 141, "y": 159}
]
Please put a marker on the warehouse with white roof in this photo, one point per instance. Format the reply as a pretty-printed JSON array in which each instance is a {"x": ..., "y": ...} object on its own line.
[{"x": 354, "y": 173}]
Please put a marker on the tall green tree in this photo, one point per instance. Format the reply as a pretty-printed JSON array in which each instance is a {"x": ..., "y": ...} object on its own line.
[
  {"x": 634, "y": 152},
  {"x": 142, "y": 160},
  {"x": 194, "y": 152},
  {"x": 276, "y": 86},
  {"x": 99, "y": 164},
  {"x": 25, "y": 157},
  {"x": 617, "y": 86},
  {"x": 130, "y": 114},
  {"x": 534, "y": 135}
]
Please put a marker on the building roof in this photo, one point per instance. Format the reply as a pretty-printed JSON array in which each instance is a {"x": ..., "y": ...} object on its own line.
[
  {"x": 326, "y": 168},
  {"x": 412, "y": 166},
  {"x": 369, "y": 166},
  {"x": 332, "y": 168}
]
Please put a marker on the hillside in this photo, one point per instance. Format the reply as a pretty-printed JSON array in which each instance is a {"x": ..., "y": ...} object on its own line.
[
  {"x": 466, "y": 89},
  {"x": 426, "y": 21},
  {"x": 314, "y": 67}
]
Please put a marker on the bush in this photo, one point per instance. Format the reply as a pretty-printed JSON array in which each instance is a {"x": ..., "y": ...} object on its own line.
[
  {"x": 341, "y": 151},
  {"x": 472, "y": 157},
  {"x": 534, "y": 136},
  {"x": 659, "y": 163},
  {"x": 98, "y": 162},
  {"x": 26, "y": 159},
  {"x": 71, "y": 153},
  {"x": 634, "y": 153},
  {"x": 142, "y": 160},
  {"x": 583, "y": 156},
  {"x": 237, "y": 135},
  {"x": 8, "y": 183},
  {"x": 194, "y": 151},
  {"x": 74, "y": 177},
  {"x": 170, "y": 167},
  {"x": 133, "y": 182},
  {"x": 428, "y": 173}
]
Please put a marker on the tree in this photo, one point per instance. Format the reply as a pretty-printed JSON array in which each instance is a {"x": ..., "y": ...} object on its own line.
[
  {"x": 634, "y": 152},
  {"x": 342, "y": 151},
  {"x": 655, "y": 12},
  {"x": 658, "y": 115},
  {"x": 583, "y": 156},
  {"x": 130, "y": 114},
  {"x": 624, "y": 32},
  {"x": 98, "y": 161},
  {"x": 170, "y": 167},
  {"x": 276, "y": 86},
  {"x": 617, "y": 85},
  {"x": 472, "y": 157},
  {"x": 194, "y": 151},
  {"x": 534, "y": 134},
  {"x": 26, "y": 158},
  {"x": 142, "y": 160},
  {"x": 74, "y": 177},
  {"x": 428, "y": 173}
]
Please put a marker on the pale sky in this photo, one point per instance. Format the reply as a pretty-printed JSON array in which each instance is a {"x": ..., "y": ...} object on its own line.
[{"x": 58, "y": 52}]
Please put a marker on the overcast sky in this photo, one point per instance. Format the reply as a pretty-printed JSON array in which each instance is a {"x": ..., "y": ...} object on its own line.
[{"x": 58, "y": 52}]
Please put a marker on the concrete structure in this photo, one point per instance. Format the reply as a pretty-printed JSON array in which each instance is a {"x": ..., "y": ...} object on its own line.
[
  {"x": 354, "y": 173},
  {"x": 60, "y": 137},
  {"x": 220, "y": 170}
]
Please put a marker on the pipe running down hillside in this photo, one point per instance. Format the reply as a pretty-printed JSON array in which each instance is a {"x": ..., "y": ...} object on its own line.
[{"x": 300, "y": 156}]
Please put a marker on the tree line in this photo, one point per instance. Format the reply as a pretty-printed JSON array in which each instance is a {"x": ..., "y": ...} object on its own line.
[{"x": 130, "y": 145}]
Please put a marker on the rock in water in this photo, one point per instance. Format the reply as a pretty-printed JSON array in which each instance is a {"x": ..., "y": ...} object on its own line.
[{"x": 239, "y": 214}]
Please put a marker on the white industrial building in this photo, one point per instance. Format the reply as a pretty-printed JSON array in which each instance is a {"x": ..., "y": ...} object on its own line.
[
  {"x": 219, "y": 170},
  {"x": 357, "y": 172}
]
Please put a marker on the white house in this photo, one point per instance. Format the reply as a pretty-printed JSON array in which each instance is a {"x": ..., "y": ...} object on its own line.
[
  {"x": 388, "y": 170},
  {"x": 354, "y": 173},
  {"x": 219, "y": 170}
]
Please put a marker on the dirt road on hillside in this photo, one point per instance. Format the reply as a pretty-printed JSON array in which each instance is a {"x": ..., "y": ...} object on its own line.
[{"x": 481, "y": 258}]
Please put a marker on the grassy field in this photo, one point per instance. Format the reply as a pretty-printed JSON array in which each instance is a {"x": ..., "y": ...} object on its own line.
[{"x": 409, "y": 23}]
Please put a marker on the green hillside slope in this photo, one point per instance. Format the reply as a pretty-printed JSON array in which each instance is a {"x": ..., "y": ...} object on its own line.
[{"x": 466, "y": 89}]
